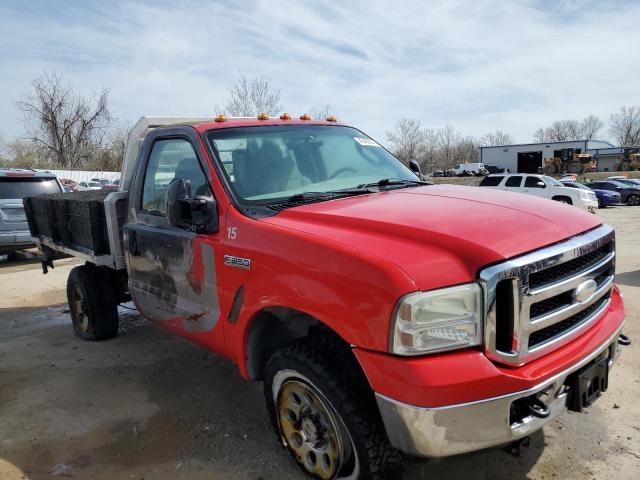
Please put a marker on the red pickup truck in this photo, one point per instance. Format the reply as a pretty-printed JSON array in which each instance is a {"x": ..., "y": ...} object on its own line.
[{"x": 383, "y": 314}]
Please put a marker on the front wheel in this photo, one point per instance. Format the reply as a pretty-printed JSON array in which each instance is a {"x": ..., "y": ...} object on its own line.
[
  {"x": 633, "y": 200},
  {"x": 600, "y": 203},
  {"x": 325, "y": 415}
]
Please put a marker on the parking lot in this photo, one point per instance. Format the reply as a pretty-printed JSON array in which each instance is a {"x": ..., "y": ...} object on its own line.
[{"x": 148, "y": 405}]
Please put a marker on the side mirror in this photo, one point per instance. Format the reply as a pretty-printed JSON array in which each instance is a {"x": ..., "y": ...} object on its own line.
[
  {"x": 414, "y": 166},
  {"x": 541, "y": 184},
  {"x": 199, "y": 214}
]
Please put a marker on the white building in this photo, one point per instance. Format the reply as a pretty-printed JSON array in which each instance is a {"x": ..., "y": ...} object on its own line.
[{"x": 529, "y": 157}]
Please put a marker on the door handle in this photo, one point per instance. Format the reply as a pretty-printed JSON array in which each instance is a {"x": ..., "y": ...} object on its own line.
[{"x": 133, "y": 243}]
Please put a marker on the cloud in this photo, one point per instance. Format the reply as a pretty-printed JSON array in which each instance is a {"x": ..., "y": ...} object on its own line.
[{"x": 480, "y": 65}]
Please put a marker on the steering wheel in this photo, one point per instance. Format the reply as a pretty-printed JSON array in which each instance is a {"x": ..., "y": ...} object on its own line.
[{"x": 342, "y": 170}]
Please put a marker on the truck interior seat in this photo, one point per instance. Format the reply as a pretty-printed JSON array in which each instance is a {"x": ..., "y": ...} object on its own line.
[{"x": 264, "y": 169}]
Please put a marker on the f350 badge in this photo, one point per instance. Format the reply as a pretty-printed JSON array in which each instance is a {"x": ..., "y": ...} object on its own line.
[{"x": 237, "y": 262}]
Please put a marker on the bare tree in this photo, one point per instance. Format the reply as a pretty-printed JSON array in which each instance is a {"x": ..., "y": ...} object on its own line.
[
  {"x": 67, "y": 125},
  {"x": 566, "y": 130},
  {"x": 108, "y": 157},
  {"x": 624, "y": 126},
  {"x": 496, "y": 138},
  {"x": 322, "y": 113},
  {"x": 248, "y": 98},
  {"x": 20, "y": 153},
  {"x": 407, "y": 140},
  {"x": 448, "y": 143},
  {"x": 433, "y": 148},
  {"x": 590, "y": 127}
]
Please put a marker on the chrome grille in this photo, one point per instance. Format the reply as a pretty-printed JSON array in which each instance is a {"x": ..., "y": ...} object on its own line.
[{"x": 544, "y": 312}]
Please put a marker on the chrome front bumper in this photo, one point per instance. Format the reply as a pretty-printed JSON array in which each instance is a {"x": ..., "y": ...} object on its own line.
[{"x": 454, "y": 429}]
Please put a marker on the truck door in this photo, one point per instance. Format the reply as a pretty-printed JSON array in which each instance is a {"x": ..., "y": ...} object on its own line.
[
  {"x": 512, "y": 184},
  {"x": 536, "y": 186},
  {"x": 172, "y": 269}
]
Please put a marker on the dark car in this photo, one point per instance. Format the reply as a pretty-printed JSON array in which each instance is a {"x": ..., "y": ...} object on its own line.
[
  {"x": 606, "y": 198},
  {"x": 628, "y": 195},
  {"x": 492, "y": 169},
  {"x": 15, "y": 184}
]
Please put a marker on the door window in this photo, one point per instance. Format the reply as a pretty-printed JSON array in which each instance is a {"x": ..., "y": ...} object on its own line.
[
  {"x": 513, "y": 182},
  {"x": 491, "y": 181},
  {"x": 532, "y": 182},
  {"x": 170, "y": 159}
]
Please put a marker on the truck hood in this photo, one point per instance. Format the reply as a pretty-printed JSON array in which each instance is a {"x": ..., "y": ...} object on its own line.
[{"x": 441, "y": 234}]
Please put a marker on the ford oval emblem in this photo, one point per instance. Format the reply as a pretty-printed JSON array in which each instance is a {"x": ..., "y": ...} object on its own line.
[{"x": 585, "y": 291}]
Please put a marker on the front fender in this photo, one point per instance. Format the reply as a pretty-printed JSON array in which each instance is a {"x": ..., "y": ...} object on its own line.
[{"x": 350, "y": 292}]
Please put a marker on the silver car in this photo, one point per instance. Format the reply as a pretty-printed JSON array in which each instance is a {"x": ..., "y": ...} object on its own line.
[{"x": 15, "y": 184}]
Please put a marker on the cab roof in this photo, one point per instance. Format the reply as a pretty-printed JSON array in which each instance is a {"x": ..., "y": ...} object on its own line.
[
  {"x": 231, "y": 122},
  {"x": 23, "y": 172}
]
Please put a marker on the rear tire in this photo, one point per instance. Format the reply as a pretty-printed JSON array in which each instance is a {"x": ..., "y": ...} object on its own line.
[
  {"x": 633, "y": 200},
  {"x": 326, "y": 376},
  {"x": 92, "y": 304}
]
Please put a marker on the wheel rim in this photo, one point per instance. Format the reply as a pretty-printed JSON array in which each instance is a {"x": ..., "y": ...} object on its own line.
[
  {"x": 79, "y": 310},
  {"x": 311, "y": 430}
]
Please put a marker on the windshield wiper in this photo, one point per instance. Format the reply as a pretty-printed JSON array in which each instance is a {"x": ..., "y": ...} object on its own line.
[
  {"x": 300, "y": 197},
  {"x": 313, "y": 197},
  {"x": 393, "y": 182}
]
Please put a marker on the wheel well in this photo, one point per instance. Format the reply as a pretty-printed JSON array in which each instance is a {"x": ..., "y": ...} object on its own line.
[
  {"x": 272, "y": 329},
  {"x": 559, "y": 198}
]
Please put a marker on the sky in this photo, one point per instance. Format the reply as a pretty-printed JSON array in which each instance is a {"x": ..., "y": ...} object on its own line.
[{"x": 479, "y": 65}]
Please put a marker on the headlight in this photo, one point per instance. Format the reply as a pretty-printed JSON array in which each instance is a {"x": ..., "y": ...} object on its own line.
[
  {"x": 587, "y": 195},
  {"x": 438, "y": 320}
]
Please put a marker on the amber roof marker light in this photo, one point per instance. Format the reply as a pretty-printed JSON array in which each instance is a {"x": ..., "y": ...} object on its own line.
[
  {"x": 331, "y": 118},
  {"x": 285, "y": 116},
  {"x": 306, "y": 116},
  {"x": 263, "y": 116},
  {"x": 221, "y": 118}
]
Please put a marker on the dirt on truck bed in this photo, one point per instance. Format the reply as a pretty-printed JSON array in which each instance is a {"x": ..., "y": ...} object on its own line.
[{"x": 148, "y": 405}]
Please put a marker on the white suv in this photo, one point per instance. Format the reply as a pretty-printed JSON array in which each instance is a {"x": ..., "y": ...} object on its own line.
[{"x": 542, "y": 186}]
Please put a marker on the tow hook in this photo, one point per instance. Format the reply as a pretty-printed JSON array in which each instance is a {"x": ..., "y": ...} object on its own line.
[
  {"x": 538, "y": 408},
  {"x": 624, "y": 340}
]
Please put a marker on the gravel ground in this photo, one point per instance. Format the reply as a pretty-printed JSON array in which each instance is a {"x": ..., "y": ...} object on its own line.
[{"x": 149, "y": 405}]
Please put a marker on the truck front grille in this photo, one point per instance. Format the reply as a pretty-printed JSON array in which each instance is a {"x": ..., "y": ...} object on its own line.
[{"x": 546, "y": 308}]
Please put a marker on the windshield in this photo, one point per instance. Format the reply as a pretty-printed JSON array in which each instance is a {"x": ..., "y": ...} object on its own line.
[
  {"x": 552, "y": 181},
  {"x": 576, "y": 185},
  {"x": 627, "y": 183},
  {"x": 275, "y": 162},
  {"x": 618, "y": 184},
  {"x": 20, "y": 187}
]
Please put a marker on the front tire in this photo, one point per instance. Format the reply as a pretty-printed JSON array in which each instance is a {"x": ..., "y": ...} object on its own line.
[
  {"x": 633, "y": 200},
  {"x": 325, "y": 415},
  {"x": 92, "y": 304},
  {"x": 600, "y": 203}
]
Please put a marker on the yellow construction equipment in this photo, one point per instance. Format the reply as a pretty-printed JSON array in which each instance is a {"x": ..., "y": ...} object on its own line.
[
  {"x": 631, "y": 162},
  {"x": 570, "y": 162}
]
